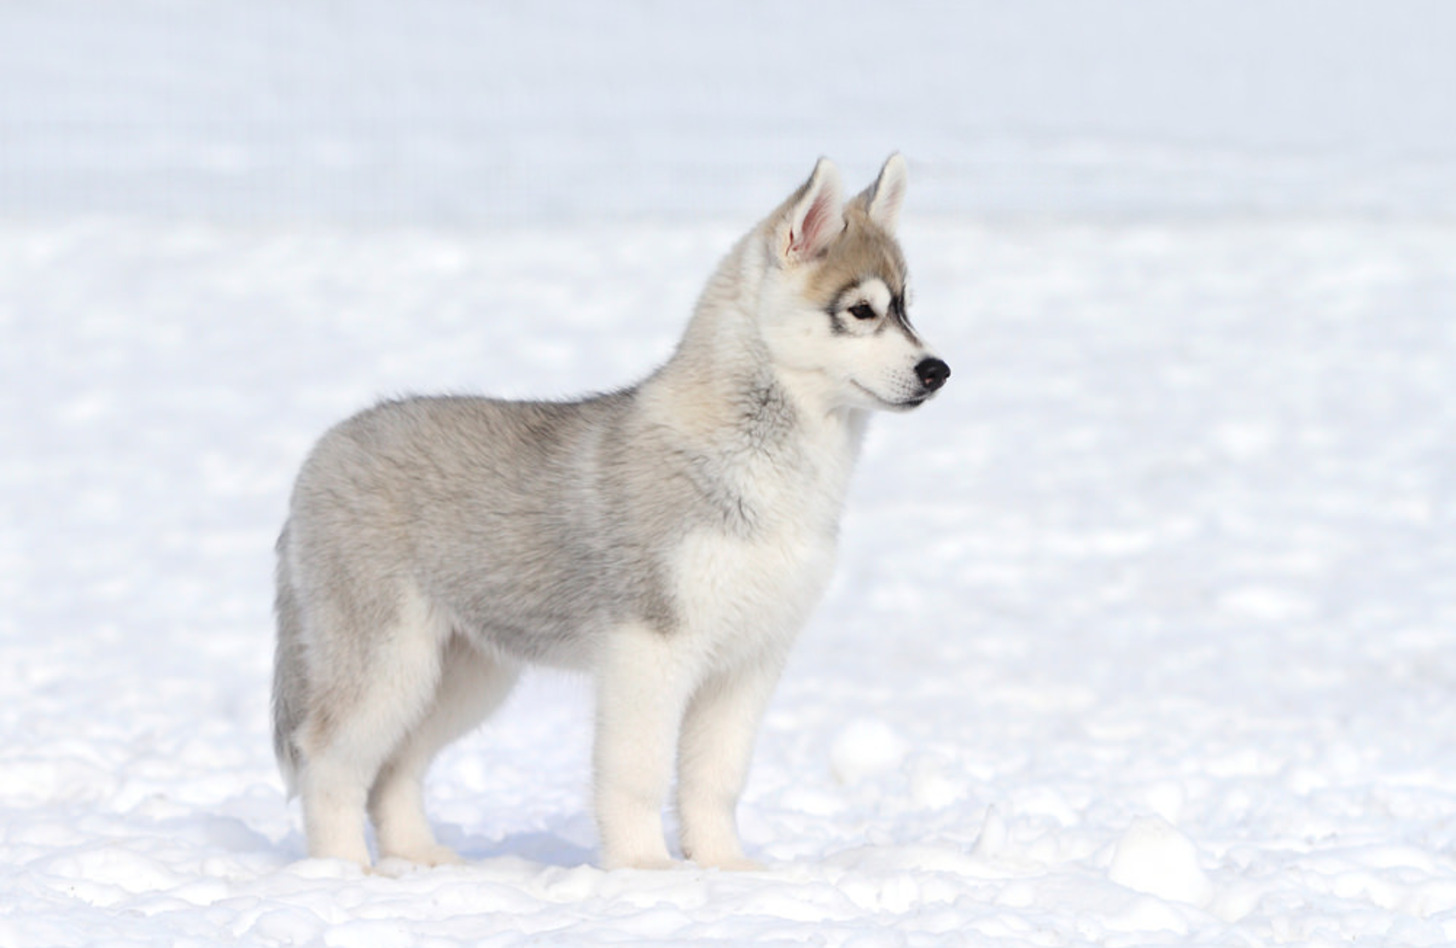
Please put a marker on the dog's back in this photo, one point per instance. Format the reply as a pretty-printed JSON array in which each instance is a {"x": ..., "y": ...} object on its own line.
[{"x": 492, "y": 510}]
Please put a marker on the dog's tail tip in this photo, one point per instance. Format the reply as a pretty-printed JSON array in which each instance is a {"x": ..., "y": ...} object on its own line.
[{"x": 287, "y": 756}]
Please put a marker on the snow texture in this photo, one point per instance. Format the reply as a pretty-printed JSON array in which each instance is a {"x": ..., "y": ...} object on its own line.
[{"x": 1144, "y": 631}]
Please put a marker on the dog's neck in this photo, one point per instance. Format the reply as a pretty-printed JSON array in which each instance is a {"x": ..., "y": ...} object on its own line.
[
  {"x": 722, "y": 377},
  {"x": 770, "y": 437}
]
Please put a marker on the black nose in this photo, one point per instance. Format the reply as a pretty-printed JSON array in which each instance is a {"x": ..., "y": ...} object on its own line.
[{"x": 932, "y": 373}]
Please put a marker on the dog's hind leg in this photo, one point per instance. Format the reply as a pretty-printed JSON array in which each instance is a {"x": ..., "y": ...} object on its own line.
[
  {"x": 472, "y": 685},
  {"x": 367, "y": 692}
]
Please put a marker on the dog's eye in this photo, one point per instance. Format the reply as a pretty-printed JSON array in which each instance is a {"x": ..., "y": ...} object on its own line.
[{"x": 862, "y": 311}]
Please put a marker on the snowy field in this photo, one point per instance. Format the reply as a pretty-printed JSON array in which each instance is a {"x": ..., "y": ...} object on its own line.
[{"x": 1144, "y": 631}]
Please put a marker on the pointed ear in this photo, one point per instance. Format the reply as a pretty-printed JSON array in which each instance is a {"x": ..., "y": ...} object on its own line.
[
  {"x": 884, "y": 198},
  {"x": 815, "y": 217}
]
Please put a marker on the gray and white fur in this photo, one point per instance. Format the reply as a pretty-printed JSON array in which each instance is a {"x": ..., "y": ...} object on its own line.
[{"x": 670, "y": 539}]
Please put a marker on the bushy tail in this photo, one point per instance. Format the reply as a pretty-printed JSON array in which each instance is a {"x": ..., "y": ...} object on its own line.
[{"x": 290, "y": 683}]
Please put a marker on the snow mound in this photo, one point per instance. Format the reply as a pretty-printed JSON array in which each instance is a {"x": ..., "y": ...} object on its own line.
[
  {"x": 1154, "y": 858},
  {"x": 866, "y": 747}
]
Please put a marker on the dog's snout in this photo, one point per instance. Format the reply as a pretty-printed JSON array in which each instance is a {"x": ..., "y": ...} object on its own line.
[{"x": 932, "y": 373}]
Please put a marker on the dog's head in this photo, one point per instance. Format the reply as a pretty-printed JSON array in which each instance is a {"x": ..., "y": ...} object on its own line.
[{"x": 833, "y": 301}]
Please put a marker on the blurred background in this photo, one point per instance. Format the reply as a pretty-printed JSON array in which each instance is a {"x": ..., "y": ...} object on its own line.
[
  {"x": 1176, "y": 543},
  {"x": 479, "y": 112}
]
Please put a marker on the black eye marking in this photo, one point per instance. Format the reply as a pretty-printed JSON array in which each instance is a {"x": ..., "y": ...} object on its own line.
[
  {"x": 863, "y": 311},
  {"x": 897, "y": 310}
]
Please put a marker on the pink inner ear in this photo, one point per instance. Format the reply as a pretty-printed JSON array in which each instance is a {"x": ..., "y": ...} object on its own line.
[{"x": 816, "y": 220}]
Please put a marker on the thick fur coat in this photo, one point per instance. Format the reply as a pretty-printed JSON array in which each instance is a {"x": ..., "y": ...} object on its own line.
[{"x": 670, "y": 539}]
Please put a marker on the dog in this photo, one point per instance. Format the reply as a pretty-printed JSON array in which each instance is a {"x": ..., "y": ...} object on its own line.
[{"x": 670, "y": 538}]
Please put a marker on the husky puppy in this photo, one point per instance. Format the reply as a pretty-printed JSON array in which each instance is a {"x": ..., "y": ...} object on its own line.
[{"x": 670, "y": 538}]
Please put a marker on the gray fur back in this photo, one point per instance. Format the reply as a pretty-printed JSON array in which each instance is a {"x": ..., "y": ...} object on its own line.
[{"x": 533, "y": 525}]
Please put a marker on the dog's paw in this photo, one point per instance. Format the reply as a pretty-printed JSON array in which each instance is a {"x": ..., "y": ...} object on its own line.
[
  {"x": 641, "y": 862},
  {"x": 431, "y": 855},
  {"x": 655, "y": 865},
  {"x": 732, "y": 864}
]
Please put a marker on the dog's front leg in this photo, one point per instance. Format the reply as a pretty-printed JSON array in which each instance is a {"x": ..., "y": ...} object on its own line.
[
  {"x": 642, "y": 685},
  {"x": 714, "y": 751}
]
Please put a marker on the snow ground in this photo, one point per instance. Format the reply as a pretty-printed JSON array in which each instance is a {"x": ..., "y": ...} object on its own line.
[{"x": 1142, "y": 632}]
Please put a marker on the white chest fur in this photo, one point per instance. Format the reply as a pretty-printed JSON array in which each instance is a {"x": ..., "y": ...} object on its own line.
[
  {"x": 739, "y": 593},
  {"x": 741, "y": 596}
]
